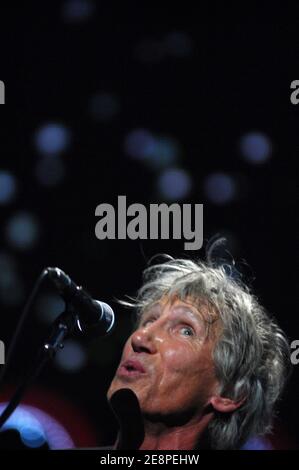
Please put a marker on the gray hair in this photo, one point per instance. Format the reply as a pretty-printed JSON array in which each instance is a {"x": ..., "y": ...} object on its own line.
[{"x": 251, "y": 355}]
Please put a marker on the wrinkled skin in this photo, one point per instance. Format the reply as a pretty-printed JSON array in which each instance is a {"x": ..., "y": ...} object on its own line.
[{"x": 178, "y": 377}]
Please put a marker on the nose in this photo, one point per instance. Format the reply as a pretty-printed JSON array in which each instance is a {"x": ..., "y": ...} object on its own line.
[{"x": 144, "y": 340}]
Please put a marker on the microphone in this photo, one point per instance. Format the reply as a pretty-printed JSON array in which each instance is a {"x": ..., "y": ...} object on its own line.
[{"x": 90, "y": 312}]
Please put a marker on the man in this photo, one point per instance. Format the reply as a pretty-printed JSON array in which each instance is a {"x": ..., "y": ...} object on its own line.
[{"x": 205, "y": 365}]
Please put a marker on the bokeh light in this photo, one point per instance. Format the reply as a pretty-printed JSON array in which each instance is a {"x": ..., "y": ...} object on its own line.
[
  {"x": 75, "y": 11},
  {"x": 52, "y": 139},
  {"x": 164, "y": 153},
  {"x": 32, "y": 436},
  {"x": 22, "y": 231},
  {"x": 8, "y": 187},
  {"x": 256, "y": 148},
  {"x": 157, "y": 152},
  {"x": 174, "y": 184},
  {"x": 257, "y": 443},
  {"x": 140, "y": 144},
  {"x": 72, "y": 358},
  {"x": 220, "y": 188},
  {"x": 37, "y": 427}
]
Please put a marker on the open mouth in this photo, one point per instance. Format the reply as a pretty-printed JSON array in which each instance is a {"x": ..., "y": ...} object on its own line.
[{"x": 131, "y": 368}]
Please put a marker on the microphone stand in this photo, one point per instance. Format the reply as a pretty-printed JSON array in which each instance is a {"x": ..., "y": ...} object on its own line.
[{"x": 63, "y": 326}]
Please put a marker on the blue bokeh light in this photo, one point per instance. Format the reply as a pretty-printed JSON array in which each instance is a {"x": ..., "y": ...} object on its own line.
[
  {"x": 156, "y": 152},
  {"x": 164, "y": 153},
  {"x": 174, "y": 184},
  {"x": 32, "y": 437},
  {"x": 37, "y": 427},
  {"x": 75, "y": 11},
  {"x": 8, "y": 187},
  {"x": 72, "y": 357},
  {"x": 220, "y": 188},
  {"x": 140, "y": 144},
  {"x": 22, "y": 231},
  {"x": 52, "y": 139},
  {"x": 256, "y": 147},
  {"x": 257, "y": 443}
]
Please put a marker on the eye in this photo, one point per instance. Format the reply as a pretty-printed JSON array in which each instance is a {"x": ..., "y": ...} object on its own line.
[
  {"x": 187, "y": 331},
  {"x": 147, "y": 321}
]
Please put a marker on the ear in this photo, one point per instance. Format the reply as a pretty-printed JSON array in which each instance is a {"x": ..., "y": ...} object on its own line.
[{"x": 225, "y": 405}]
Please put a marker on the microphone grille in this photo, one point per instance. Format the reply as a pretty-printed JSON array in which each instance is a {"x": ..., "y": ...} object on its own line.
[{"x": 109, "y": 316}]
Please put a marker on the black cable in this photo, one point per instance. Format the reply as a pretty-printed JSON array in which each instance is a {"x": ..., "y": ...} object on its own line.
[
  {"x": 15, "y": 400},
  {"x": 61, "y": 328},
  {"x": 21, "y": 323}
]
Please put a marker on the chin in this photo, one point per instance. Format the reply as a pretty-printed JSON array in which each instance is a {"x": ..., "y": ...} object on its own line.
[{"x": 116, "y": 385}]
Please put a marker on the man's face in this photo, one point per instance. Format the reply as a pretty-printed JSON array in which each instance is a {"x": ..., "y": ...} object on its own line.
[{"x": 167, "y": 362}]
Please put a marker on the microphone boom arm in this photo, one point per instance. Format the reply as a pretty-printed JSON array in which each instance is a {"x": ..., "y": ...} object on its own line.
[{"x": 75, "y": 300}]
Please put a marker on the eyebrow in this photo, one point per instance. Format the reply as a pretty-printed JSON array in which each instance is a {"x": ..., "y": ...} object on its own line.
[
  {"x": 190, "y": 311},
  {"x": 148, "y": 310}
]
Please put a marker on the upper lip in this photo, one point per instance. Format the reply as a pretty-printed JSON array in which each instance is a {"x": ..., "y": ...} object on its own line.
[{"x": 133, "y": 364}]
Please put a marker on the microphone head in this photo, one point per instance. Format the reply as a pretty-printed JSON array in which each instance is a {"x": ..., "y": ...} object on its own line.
[
  {"x": 102, "y": 324},
  {"x": 108, "y": 317},
  {"x": 91, "y": 313}
]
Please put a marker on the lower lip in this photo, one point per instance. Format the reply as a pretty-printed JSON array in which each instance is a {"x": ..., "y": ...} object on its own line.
[{"x": 127, "y": 373}]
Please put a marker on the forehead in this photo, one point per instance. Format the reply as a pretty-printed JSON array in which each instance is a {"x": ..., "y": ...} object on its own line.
[{"x": 199, "y": 308}]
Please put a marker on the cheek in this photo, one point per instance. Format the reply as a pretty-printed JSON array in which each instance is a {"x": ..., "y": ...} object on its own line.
[
  {"x": 188, "y": 378},
  {"x": 187, "y": 367},
  {"x": 178, "y": 369},
  {"x": 180, "y": 359}
]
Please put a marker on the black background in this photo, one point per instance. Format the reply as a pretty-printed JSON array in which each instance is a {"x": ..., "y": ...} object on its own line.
[{"x": 236, "y": 79}]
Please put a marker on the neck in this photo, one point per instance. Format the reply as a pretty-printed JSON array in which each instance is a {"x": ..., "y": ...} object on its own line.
[
  {"x": 140, "y": 432},
  {"x": 160, "y": 437}
]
